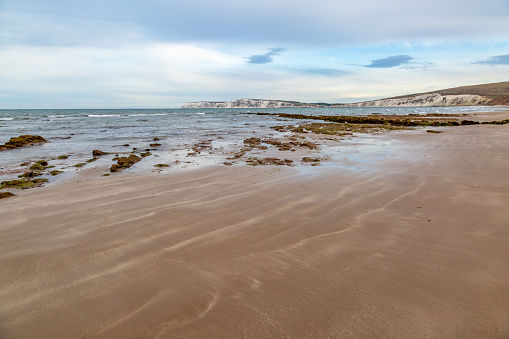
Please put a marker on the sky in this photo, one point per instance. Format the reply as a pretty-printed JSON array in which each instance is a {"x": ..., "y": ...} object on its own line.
[{"x": 161, "y": 54}]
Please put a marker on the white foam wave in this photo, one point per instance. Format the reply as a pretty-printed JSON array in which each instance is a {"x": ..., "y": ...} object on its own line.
[
  {"x": 6, "y": 119},
  {"x": 103, "y": 115}
]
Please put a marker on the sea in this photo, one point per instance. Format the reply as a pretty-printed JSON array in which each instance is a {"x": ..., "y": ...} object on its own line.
[{"x": 76, "y": 132}]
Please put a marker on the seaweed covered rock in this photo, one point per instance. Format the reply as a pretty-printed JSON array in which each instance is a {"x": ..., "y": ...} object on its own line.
[
  {"x": 40, "y": 165},
  {"x": 22, "y": 140},
  {"x": 5, "y": 195},
  {"x": 22, "y": 184},
  {"x": 97, "y": 153},
  {"x": 124, "y": 162},
  {"x": 269, "y": 161}
]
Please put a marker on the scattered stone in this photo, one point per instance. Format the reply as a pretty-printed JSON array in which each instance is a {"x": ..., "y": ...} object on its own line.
[
  {"x": 92, "y": 160},
  {"x": 433, "y": 131},
  {"x": 155, "y": 145},
  {"x": 268, "y": 161},
  {"x": 56, "y": 172},
  {"x": 156, "y": 139},
  {"x": 161, "y": 165},
  {"x": 252, "y": 141},
  {"x": 21, "y": 141},
  {"x": 81, "y": 164},
  {"x": 227, "y": 163},
  {"x": 62, "y": 157},
  {"x": 309, "y": 159},
  {"x": 145, "y": 154}
]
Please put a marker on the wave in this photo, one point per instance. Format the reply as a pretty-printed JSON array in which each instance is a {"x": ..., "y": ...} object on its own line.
[
  {"x": 103, "y": 115},
  {"x": 6, "y": 119}
]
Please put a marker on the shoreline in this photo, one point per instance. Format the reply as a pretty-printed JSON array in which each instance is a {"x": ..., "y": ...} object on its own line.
[{"x": 409, "y": 241}]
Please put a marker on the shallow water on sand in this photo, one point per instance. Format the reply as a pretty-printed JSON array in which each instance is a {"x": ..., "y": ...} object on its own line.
[{"x": 76, "y": 132}]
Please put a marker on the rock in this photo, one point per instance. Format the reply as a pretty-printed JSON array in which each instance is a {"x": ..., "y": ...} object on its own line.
[
  {"x": 97, "y": 153},
  {"x": 5, "y": 195},
  {"x": 39, "y": 165},
  {"x": 308, "y": 159},
  {"x": 22, "y": 184},
  {"x": 21, "y": 141},
  {"x": 30, "y": 174},
  {"x": 155, "y": 145},
  {"x": 124, "y": 162},
  {"x": 253, "y": 141}
]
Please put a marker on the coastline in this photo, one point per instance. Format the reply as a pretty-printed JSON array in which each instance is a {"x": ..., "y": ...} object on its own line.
[{"x": 413, "y": 243}]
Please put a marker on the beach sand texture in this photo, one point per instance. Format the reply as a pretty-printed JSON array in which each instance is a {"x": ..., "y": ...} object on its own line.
[{"x": 414, "y": 245}]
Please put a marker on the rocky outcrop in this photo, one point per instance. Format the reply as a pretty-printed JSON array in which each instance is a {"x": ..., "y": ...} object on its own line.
[
  {"x": 430, "y": 99},
  {"x": 241, "y": 103},
  {"x": 21, "y": 141}
]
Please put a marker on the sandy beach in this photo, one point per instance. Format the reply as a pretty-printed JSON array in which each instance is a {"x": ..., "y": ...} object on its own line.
[{"x": 412, "y": 244}]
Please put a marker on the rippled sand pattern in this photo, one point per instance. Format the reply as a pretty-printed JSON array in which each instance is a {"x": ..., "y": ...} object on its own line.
[{"x": 414, "y": 245}]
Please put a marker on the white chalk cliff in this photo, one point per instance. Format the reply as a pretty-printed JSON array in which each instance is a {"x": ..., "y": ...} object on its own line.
[
  {"x": 240, "y": 103},
  {"x": 430, "y": 99}
]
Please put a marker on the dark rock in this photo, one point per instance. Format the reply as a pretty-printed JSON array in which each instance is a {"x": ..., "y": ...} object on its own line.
[
  {"x": 23, "y": 183},
  {"x": 124, "y": 162},
  {"x": 30, "y": 174},
  {"x": 308, "y": 159},
  {"x": 22, "y": 140},
  {"x": 97, "y": 153},
  {"x": 5, "y": 195},
  {"x": 253, "y": 141},
  {"x": 155, "y": 145}
]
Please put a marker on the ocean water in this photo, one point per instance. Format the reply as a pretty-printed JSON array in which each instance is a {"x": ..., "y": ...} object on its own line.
[{"x": 76, "y": 132}]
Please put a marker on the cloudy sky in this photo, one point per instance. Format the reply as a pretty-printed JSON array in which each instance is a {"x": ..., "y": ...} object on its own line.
[{"x": 162, "y": 53}]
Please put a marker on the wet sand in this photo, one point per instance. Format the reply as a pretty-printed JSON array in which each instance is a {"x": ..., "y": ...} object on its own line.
[{"x": 412, "y": 244}]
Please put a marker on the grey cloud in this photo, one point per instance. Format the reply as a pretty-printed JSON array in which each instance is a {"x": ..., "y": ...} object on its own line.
[
  {"x": 389, "y": 62},
  {"x": 496, "y": 60},
  {"x": 342, "y": 24},
  {"x": 322, "y": 71},
  {"x": 265, "y": 58}
]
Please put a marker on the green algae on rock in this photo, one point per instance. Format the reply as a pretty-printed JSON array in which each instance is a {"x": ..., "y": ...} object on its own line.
[
  {"x": 40, "y": 165},
  {"x": 22, "y": 184},
  {"x": 124, "y": 162},
  {"x": 5, "y": 195},
  {"x": 22, "y": 140}
]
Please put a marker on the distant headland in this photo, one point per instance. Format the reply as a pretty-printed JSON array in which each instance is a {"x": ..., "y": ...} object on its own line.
[{"x": 485, "y": 94}]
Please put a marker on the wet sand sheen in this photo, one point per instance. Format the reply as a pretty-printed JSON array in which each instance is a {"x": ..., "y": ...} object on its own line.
[{"x": 414, "y": 245}]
